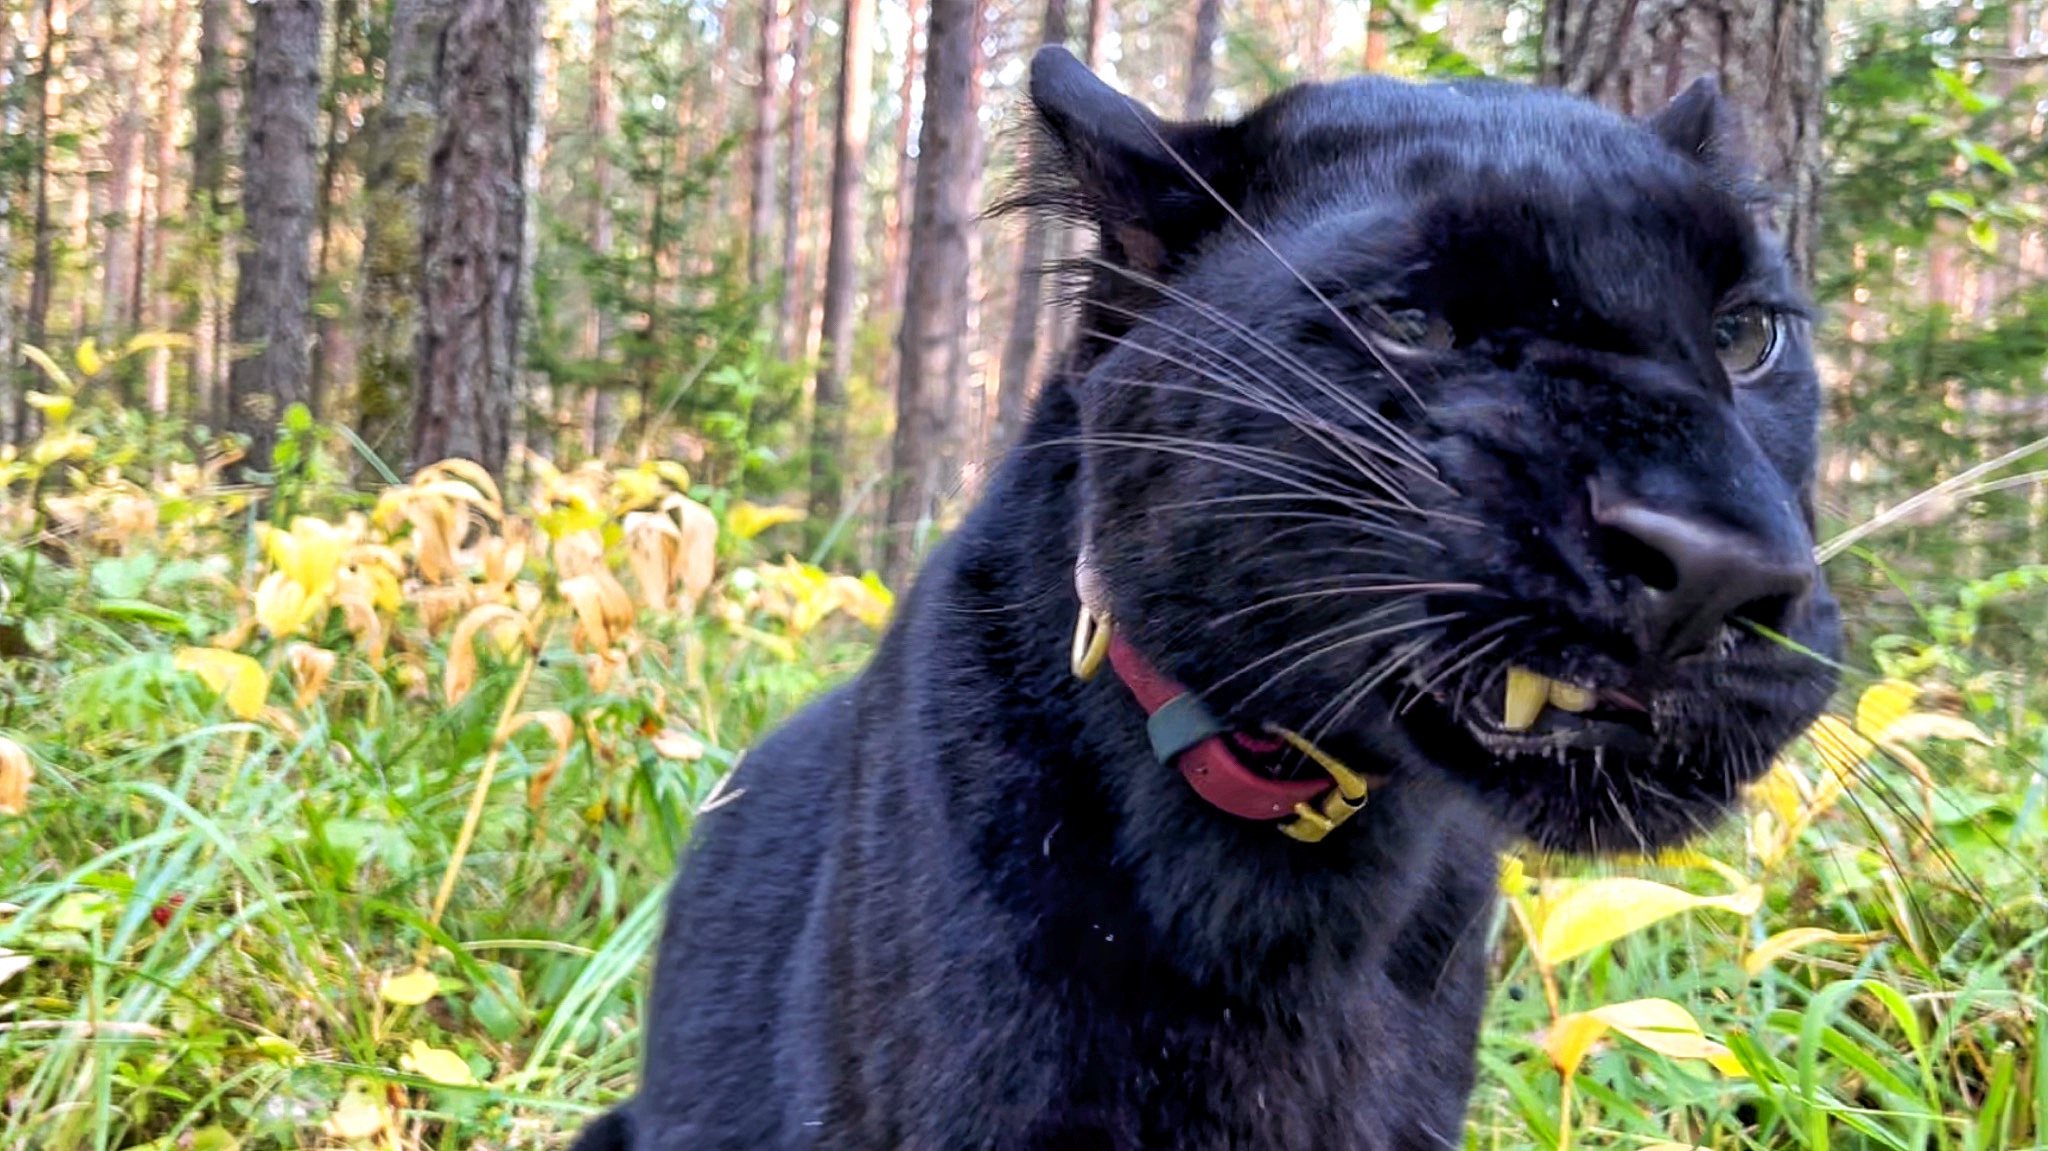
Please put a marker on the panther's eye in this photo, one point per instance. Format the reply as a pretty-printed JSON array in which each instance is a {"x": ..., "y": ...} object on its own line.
[
  {"x": 1418, "y": 328},
  {"x": 1747, "y": 339}
]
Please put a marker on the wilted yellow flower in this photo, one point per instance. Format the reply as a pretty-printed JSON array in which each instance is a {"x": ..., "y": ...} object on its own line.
[
  {"x": 577, "y": 553},
  {"x": 653, "y": 545},
  {"x": 16, "y": 773},
  {"x": 309, "y": 554},
  {"x": 438, "y": 605},
  {"x": 506, "y": 629},
  {"x": 311, "y": 666},
  {"x": 241, "y": 681},
  {"x": 59, "y": 446},
  {"x": 604, "y": 612},
  {"x": 748, "y": 519},
  {"x": 698, "y": 558},
  {"x": 283, "y": 606}
]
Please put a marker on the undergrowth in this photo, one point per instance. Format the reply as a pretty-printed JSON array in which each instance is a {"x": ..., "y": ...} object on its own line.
[{"x": 343, "y": 820}]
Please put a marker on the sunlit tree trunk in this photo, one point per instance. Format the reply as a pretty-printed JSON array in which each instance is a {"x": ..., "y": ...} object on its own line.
[
  {"x": 1202, "y": 58},
  {"x": 842, "y": 267},
  {"x": 1770, "y": 59},
  {"x": 1376, "y": 22},
  {"x": 1020, "y": 347},
  {"x": 895, "y": 244},
  {"x": 932, "y": 372},
  {"x": 792, "y": 319},
  {"x": 603, "y": 427},
  {"x": 331, "y": 331},
  {"x": 473, "y": 235},
  {"x": 165, "y": 202},
  {"x": 400, "y": 148},
  {"x": 273, "y": 284},
  {"x": 762, "y": 200},
  {"x": 42, "y": 265},
  {"x": 213, "y": 100},
  {"x": 118, "y": 210}
]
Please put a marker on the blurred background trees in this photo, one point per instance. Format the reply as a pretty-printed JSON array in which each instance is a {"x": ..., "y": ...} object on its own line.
[{"x": 749, "y": 235}]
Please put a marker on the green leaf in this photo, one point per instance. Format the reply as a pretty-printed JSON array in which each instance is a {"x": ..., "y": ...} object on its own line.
[{"x": 1979, "y": 152}]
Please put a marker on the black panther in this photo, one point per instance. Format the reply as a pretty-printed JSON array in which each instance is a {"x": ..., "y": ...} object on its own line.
[{"x": 1432, "y": 474}]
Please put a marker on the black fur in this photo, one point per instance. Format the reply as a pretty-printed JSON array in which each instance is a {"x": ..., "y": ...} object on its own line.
[{"x": 956, "y": 904}]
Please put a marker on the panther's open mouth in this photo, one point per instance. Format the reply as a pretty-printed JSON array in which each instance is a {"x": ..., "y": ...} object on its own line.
[{"x": 1543, "y": 716}]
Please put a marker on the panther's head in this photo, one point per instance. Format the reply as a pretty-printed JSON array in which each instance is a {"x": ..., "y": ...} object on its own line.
[{"x": 1468, "y": 428}]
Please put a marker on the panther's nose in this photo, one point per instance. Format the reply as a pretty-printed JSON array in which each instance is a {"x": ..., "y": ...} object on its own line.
[{"x": 1698, "y": 575}]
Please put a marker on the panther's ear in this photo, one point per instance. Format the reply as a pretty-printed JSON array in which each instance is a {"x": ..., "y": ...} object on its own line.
[
  {"x": 1152, "y": 185},
  {"x": 1698, "y": 123}
]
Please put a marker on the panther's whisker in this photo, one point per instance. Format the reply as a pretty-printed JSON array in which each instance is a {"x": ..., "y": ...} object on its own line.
[
  {"x": 1339, "y": 645},
  {"x": 1259, "y": 237},
  {"x": 1425, "y": 467},
  {"x": 1383, "y": 492},
  {"x": 1217, "y": 453},
  {"x": 1410, "y": 454},
  {"x": 1454, "y": 662},
  {"x": 1336, "y": 593},
  {"x": 1339, "y": 708},
  {"x": 1334, "y": 437},
  {"x": 1438, "y": 515}
]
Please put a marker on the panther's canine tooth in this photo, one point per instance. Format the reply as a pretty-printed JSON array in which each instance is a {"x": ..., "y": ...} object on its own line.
[
  {"x": 1571, "y": 697},
  {"x": 1527, "y": 693}
]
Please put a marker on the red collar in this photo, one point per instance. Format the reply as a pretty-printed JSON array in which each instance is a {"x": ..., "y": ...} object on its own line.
[{"x": 1187, "y": 736}]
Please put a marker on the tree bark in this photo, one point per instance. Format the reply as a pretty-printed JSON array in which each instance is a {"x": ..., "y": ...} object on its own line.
[
  {"x": 273, "y": 287},
  {"x": 842, "y": 260},
  {"x": 213, "y": 98},
  {"x": 603, "y": 420},
  {"x": 792, "y": 319},
  {"x": 331, "y": 333},
  {"x": 1770, "y": 59},
  {"x": 36, "y": 323},
  {"x": 165, "y": 203},
  {"x": 932, "y": 372},
  {"x": 894, "y": 244},
  {"x": 118, "y": 211},
  {"x": 762, "y": 201},
  {"x": 473, "y": 235},
  {"x": 1020, "y": 347},
  {"x": 1202, "y": 59},
  {"x": 400, "y": 147}
]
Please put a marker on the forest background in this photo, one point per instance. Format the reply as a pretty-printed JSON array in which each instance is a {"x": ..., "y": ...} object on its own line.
[{"x": 440, "y": 434}]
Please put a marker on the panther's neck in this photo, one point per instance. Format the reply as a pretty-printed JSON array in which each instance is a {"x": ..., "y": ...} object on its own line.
[{"x": 1053, "y": 779}]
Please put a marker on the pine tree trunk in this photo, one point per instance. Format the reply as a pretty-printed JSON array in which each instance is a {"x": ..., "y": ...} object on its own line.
[
  {"x": 932, "y": 372},
  {"x": 213, "y": 98},
  {"x": 42, "y": 267},
  {"x": 331, "y": 333},
  {"x": 792, "y": 319},
  {"x": 1770, "y": 59},
  {"x": 1020, "y": 348},
  {"x": 473, "y": 235},
  {"x": 762, "y": 201},
  {"x": 117, "y": 215},
  {"x": 842, "y": 267},
  {"x": 603, "y": 420},
  {"x": 1202, "y": 59},
  {"x": 273, "y": 286},
  {"x": 895, "y": 245},
  {"x": 165, "y": 203},
  {"x": 400, "y": 147}
]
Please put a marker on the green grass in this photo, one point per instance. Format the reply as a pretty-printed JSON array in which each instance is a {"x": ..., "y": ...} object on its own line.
[{"x": 210, "y": 906}]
